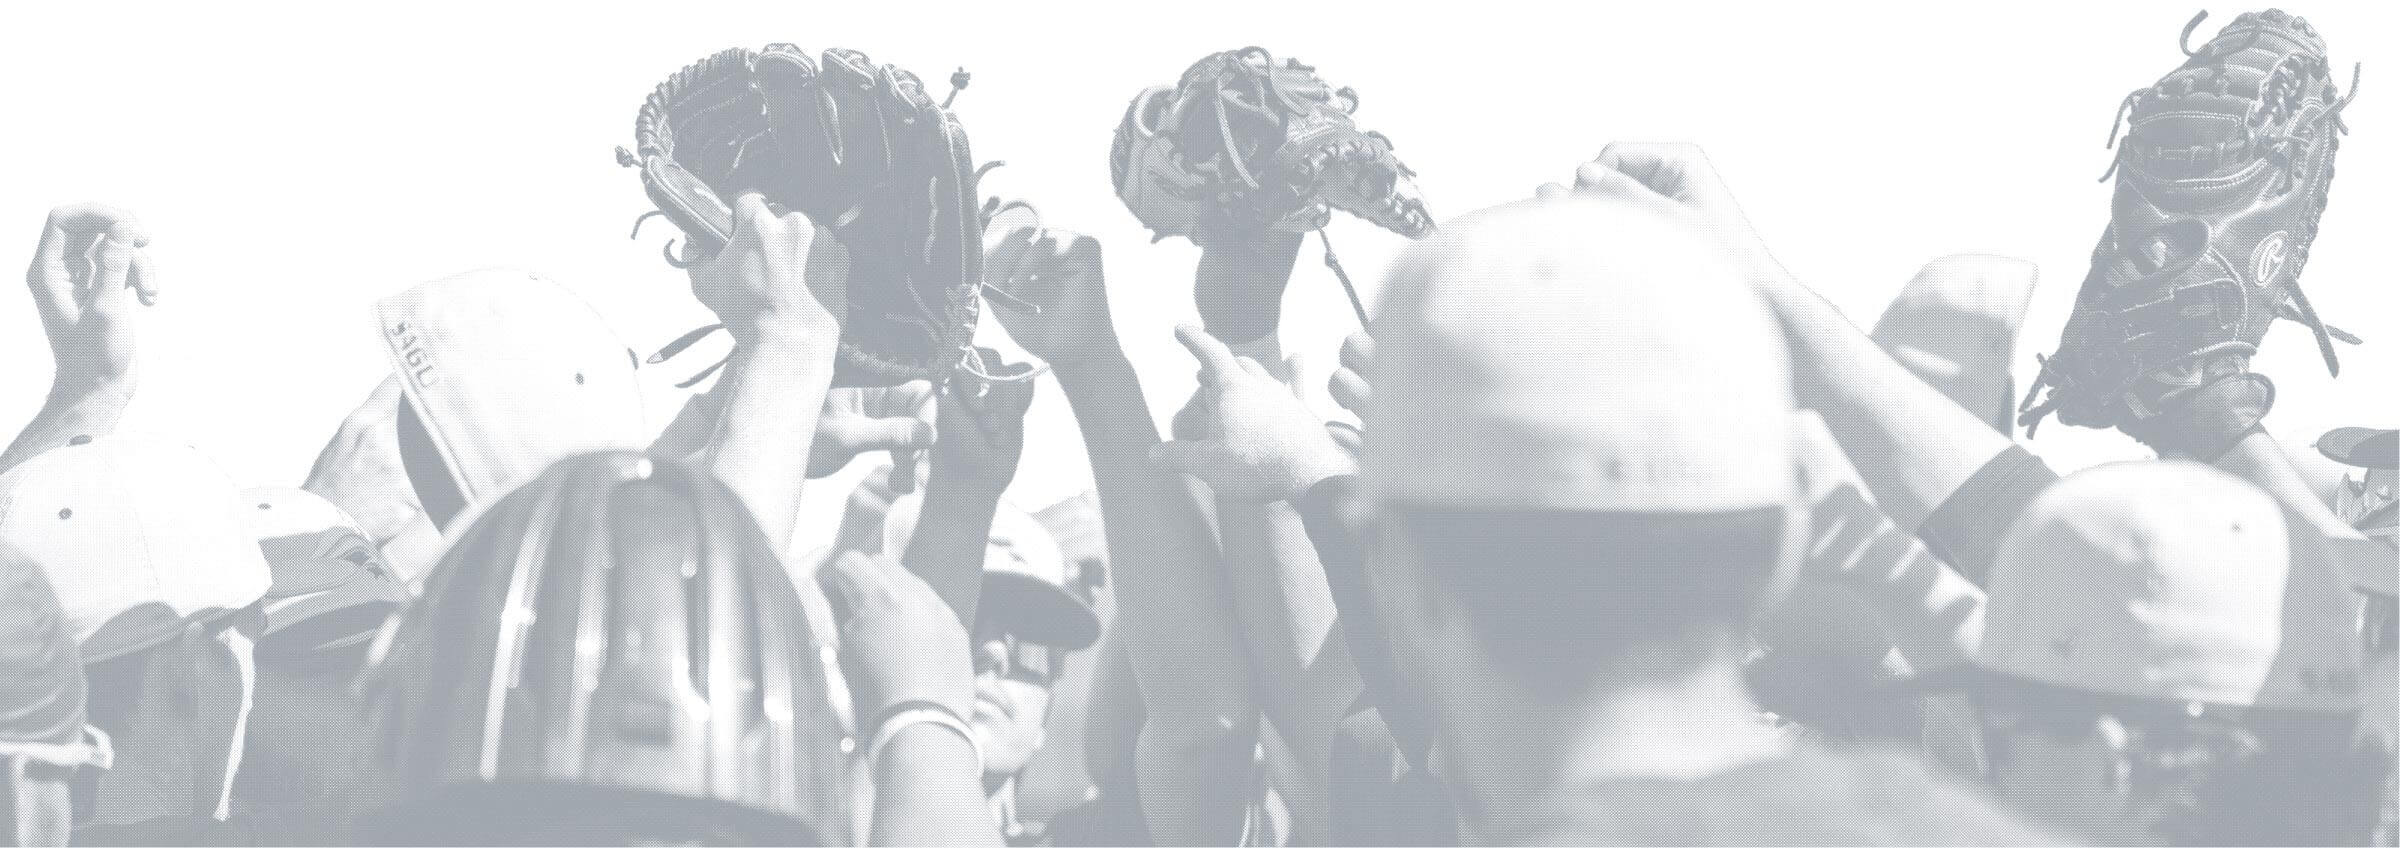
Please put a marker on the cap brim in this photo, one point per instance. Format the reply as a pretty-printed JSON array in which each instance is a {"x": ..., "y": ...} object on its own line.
[
  {"x": 333, "y": 617},
  {"x": 2363, "y": 447},
  {"x": 1036, "y": 612}
]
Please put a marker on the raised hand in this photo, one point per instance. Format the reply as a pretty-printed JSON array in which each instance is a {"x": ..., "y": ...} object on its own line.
[
  {"x": 1349, "y": 387},
  {"x": 778, "y": 273},
  {"x": 1259, "y": 441},
  {"x": 1676, "y": 178},
  {"x": 900, "y": 642},
  {"x": 980, "y": 426},
  {"x": 876, "y": 418},
  {"x": 89, "y": 256},
  {"x": 1059, "y": 273}
]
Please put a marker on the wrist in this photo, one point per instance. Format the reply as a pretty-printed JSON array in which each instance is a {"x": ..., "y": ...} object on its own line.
[
  {"x": 784, "y": 334},
  {"x": 75, "y": 389},
  {"x": 914, "y": 723},
  {"x": 965, "y": 481},
  {"x": 1106, "y": 363}
]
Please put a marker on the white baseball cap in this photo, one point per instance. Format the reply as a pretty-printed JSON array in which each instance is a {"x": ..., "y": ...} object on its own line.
[
  {"x": 139, "y": 536},
  {"x": 1955, "y": 327},
  {"x": 1577, "y": 354},
  {"x": 2169, "y": 581},
  {"x": 510, "y": 372},
  {"x": 331, "y": 586}
]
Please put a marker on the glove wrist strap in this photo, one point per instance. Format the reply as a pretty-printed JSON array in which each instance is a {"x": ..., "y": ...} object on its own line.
[{"x": 2208, "y": 421}]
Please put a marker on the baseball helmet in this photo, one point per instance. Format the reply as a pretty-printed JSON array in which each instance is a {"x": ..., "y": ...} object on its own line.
[{"x": 616, "y": 645}]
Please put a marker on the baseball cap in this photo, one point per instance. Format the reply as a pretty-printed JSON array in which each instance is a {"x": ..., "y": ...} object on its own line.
[
  {"x": 1576, "y": 354},
  {"x": 509, "y": 372},
  {"x": 331, "y": 586},
  {"x": 2363, "y": 447},
  {"x": 1955, "y": 326},
  {"x": 360, "y": 473},
  {"x": 139, "y": 536},
  {"x": 1028, "y": 588},
  {"x": 2169, "y": 581}
]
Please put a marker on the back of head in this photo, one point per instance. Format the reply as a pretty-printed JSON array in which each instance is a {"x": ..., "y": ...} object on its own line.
[
  {"x": 2178, "y": 605},
  {"x": 1582, "y": 424},
  {"x": 619, "y": 627},
  {"x": 2169, "y": 582},
  {"x": 138, "y": 535}
]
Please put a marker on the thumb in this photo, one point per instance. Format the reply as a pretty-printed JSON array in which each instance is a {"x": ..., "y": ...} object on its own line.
[{"x": 751, "y": 217}]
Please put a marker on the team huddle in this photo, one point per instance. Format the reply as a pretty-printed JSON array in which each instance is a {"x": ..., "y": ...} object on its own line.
[{"x": 1620, "y": 534}]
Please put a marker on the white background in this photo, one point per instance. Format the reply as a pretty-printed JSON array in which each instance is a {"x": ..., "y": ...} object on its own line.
[{"x": 296, "y": 163}]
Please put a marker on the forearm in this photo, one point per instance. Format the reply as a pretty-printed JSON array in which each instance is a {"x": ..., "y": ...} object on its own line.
[
  {"x": 1175, "y": 614},
  {"x": 928, "y": 791},
  {"x": 1933, "y": 614},
  {"x": 1239, "y": 285},
  {"x": 769, "y": 421},
  {"x": 1307, "y": 683},
  {"x": 71, "y": 411},
  {"x": 1912, "y": 445},
  {"x": 2259, "y": 459},
  {"x": 952, "y": 531}
]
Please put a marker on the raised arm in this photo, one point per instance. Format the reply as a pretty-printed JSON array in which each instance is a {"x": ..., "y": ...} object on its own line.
[
  {"x": 913, "y": 683},
  {"x": 778, "y": 287},
  {"x": 1306, "y": 680},
  {"x": 1913, "y": 446},
  {"x": 87, "y": 271},
  {"x": 980, "y": 435},
  {"x": 1194, "y": 755}
]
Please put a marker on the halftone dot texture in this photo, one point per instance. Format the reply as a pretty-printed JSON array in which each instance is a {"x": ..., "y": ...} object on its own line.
[
  {"x": 137, "y": 534},
  {"x": 1576, "y": 354}
]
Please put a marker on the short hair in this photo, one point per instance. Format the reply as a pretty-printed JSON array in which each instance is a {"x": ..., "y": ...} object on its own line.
[
  {"x": 1554, "y": 596},
  {"x": 2222, "y": 776}
]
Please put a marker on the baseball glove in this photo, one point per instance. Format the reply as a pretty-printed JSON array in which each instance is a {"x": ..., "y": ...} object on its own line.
[
  {"x": 1245, "y": 143},
  {"x": 862, "y": 150},
  {"x": 2219, "y": 186}
]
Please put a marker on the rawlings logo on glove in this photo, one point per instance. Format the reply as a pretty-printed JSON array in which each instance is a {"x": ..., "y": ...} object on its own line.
[{"x": 2220, "y": 182}]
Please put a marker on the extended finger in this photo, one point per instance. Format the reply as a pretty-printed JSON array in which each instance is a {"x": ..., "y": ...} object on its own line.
[
  {"x": 751, "y": 217},
  {"x": 1216, "y": 360},
  {"x": 143, "y": 278},
  {"x": 1347, "y": 436},
  {"x": 1358, "y": 351},
  {"x": 1348, "y": 388},
  {"x": 887, "y": 434},
  {"x": 112, "y": 262}
]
